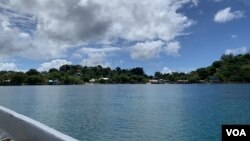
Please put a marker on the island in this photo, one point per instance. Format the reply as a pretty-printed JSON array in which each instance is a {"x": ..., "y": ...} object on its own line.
[{"x": 229, "y": 69}]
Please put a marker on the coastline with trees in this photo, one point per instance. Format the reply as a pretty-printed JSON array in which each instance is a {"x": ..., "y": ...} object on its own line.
[{"x": 229, "y": 69}]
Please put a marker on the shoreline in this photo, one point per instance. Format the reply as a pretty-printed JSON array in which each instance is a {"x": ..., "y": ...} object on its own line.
[{"x": 126, "y": 84}]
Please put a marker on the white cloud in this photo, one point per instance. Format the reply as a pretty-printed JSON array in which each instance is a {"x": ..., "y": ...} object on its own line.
[
  {"x": 147, "y": 20},
  {"x": 97, "y": 56},
  {"x": 16, "y": 42},
  {"x": 166, "y": 70},
  {"x": 195, "y": 2},
  {"x": 234, "y": 36},
  {"x": 99, "y": 50},
  {"x": 95, "y": 59},
  {"x": 226, "y": 15},
  {"x": 56, "y": 26},
  {"x": 8, "y": 67},
  {"x": 173, "y": 48},
  {"x": 53, "y": 64},
  {"x": 146, "y": 50},
  {"x": 235, "y": 51},
  {"x": 185, "y": 70}
]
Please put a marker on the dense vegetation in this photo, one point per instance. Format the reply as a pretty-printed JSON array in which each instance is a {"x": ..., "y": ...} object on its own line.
[
  {"x": 74, "y": 74},
  {"x": 228, "y": 69}
]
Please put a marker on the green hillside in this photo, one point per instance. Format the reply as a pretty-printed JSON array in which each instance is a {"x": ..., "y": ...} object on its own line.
[{"x": 229, "y": 69}]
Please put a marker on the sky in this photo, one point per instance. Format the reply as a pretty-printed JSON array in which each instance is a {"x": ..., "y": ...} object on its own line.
[{"x": 159, "y": 35}]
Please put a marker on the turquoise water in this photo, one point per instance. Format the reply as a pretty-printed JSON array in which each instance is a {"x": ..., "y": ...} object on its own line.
[{"x": 133, "y": 112}]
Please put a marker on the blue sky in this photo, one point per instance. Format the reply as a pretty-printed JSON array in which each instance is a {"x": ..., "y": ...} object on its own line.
[{"x": 165, "y": 36}]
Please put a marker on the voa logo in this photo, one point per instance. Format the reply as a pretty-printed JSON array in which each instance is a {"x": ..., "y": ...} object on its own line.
[{"x": 236, "y": 132}]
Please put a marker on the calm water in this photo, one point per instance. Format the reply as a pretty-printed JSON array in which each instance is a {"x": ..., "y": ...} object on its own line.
[{"x": 133, "y": 112}]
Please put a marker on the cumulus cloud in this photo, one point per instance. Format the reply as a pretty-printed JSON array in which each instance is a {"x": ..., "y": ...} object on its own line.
[
  {"x": 51, "y": 27},
  {"x": 16, "y": 38},
  {"x": 173, "y": 48},
  {"x": 136, "y": 20},
  {"x": 146, "y": 50},
  {"x": 106, "y": 49},
  {"x": 95, "y": 59},
  {"x": 226, "y": 15},
  {"x": 166, "y": 70},
  {"x": 53, "y": 64},
  {"x": 97, "y": 56},
  {"x": 236, "y": 51},
  {"x": 195, "y": 2},
  {"x": 8, "y": 67}
]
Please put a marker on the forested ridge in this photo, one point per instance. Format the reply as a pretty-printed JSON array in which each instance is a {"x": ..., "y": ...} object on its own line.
[{"x": 229, "y": 69}]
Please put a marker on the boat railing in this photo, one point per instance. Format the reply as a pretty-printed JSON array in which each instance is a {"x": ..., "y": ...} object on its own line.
[{"x": 17, "y": 127}]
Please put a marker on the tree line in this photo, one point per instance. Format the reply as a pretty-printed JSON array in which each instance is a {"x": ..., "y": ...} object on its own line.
[
  {"x": 229, "y": 69},
  {"x": 74, "y": 74}
]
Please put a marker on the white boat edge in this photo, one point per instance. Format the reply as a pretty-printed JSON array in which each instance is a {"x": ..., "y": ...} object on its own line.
[{"x": 21, "y": 128}]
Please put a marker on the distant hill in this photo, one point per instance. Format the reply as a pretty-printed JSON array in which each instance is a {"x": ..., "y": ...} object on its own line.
[{"x": 229, "y": 68}]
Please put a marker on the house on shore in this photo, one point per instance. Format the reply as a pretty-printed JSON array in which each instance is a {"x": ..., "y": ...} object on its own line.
[
  {"x": 104, "y": 79},
  {"x": 92, "y": 80},
  {"x": 53, "y": 82},
  {"x": 214, "y": 79},
  {"x": 157, "y": 81},
  {"x": 202, "y": 81},
  {"x": 6, "y": 82},
  {"x": 182, "y": 81}
]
